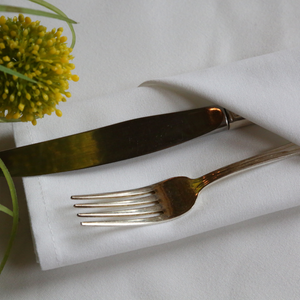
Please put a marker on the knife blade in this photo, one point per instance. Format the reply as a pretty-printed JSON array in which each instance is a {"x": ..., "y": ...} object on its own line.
[{"x": 118, "y": 141}]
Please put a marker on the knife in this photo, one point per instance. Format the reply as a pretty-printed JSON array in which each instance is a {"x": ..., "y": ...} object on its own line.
[{"x": 118, "y": 141}]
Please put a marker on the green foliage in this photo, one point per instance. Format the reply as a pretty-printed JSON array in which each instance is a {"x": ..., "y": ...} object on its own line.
[
  {"x": 59, "y": 12},
  {"x": 14, "y": 213},
  {"x": 57, "y": 15}
]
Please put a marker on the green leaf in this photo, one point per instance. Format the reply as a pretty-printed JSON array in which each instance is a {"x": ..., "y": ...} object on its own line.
[
  {"x": 12, "y": 72},
  {"x": 15, "y": 211},
  {"x": 59, "y": 12},
  {"x": 35, "y": 12},
  {"x": 6, "y": 210}
]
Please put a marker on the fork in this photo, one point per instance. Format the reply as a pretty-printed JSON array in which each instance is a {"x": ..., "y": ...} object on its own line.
[{"x": 167, "y": 199}]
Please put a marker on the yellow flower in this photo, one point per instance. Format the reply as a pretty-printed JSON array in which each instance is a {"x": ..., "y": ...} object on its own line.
[{"x": 28, "y": 48}]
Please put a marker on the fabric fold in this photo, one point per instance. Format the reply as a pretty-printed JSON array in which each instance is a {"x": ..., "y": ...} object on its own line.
[{"x": 263, "y": 89}]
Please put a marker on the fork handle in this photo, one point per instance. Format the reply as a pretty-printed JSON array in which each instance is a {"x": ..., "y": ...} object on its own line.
[{"x": 254, "y": 161}]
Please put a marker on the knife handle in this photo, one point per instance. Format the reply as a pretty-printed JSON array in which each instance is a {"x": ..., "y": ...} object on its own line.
[{"x": 234, "y": 120}]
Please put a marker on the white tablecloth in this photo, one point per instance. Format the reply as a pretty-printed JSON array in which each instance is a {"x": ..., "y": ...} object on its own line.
[{"x": 139, "y": 41}]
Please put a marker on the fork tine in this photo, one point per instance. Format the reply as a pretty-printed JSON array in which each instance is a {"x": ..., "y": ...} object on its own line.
[
  {"x": 115, "y": 195},
  {"x": 153, "y": 209},
  {"x": 126, "y": 222},
  {"x": 135, "y": 201}
]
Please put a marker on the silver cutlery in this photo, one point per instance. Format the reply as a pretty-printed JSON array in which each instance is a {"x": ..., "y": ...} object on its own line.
[
  {"x": 168, "y": 199},
  {"x": 118, "y": 141}
]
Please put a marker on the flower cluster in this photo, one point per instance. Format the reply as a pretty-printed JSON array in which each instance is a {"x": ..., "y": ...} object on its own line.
[{"x": 43, "y": 56}]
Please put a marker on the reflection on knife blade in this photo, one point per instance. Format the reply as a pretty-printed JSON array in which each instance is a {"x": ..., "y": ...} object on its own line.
[{"x": 117, "y": 142}]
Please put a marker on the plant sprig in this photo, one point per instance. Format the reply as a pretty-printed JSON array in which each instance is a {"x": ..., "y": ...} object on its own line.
[
  {"x": 59, "y": 12},
  {"x": 57, "y": 15},
  {"x": 14, "y": 213}
]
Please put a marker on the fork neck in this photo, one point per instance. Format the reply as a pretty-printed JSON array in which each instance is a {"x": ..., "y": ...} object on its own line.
[{"x": 264, "y": 158}]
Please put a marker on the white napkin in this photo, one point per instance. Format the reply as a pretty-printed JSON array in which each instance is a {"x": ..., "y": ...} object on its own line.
[{"x": 264, "y": 89}]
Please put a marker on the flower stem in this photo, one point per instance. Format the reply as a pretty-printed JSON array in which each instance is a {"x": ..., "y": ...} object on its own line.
[{"x": 15, "y": 210}]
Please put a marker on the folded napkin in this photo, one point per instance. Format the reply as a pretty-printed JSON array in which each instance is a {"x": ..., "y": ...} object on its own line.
[{"x": 263, "y": 89}]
